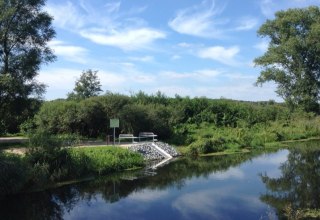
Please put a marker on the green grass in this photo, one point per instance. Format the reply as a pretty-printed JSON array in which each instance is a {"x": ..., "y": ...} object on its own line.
[
  {"x": 105, "y": 159},
  {"x": 207, "y": 138}
]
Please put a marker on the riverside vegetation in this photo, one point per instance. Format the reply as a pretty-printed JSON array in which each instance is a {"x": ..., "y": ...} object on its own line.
[
  {"x": 47, "y": 163},
  {"x": 201, "y": 124},
  {"x": 196, "y": 126}
]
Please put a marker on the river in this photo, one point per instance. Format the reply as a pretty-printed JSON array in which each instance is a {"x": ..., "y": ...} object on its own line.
[{"x": 241, "y": 186}]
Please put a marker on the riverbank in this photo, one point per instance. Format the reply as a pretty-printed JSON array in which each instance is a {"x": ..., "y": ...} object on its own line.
[{"x": 45, "y": 168}]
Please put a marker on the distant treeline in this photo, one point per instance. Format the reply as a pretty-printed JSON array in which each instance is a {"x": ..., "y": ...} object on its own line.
[{"x": 175, "y": 119}]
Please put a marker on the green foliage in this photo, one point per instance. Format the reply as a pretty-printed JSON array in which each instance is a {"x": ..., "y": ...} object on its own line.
[
  {"x": 46, "y": 163},
  {"x": 104, "y": 160},
  {"x": 292, "y": 59},
  {"x": 24, "y": 33},
  {"x": 193, "y": 151},
  {"x": 212, "y": 125},
  {"x": 88, "y": 85},
  {"x": 49, "y": 162},
  {"x": 13, "y": 173}
]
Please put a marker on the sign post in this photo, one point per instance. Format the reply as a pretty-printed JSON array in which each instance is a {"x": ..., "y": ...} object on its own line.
[{"x": 114, "y": 123}]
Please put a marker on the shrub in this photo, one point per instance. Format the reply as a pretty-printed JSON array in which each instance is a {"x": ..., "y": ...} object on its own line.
[
  {"x": 13, "y": 173},
  {"x": 192, "y": 151}
]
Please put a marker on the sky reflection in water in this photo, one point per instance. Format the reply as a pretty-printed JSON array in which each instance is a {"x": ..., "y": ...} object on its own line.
[{"x": 227, "y": 194}]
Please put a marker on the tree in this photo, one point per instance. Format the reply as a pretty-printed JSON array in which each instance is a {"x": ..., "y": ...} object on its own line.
[
  {"x": 292, "y": 60},
  {"x": 25, "y": 30},
  {"x": 87, "y": 86}
]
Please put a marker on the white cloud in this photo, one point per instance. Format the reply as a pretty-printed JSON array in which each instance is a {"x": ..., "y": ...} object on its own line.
[
  {"x": 175, "y": 57},
  {"x": 232, "y": 173},
  {"x": 200, "y": 20},
  {"x": 143, "y": 59},
  {"x": 212, "y": 203},
  {"x": 148, "y": 195},
  {"x": 69, "y": 52},
  {"x": 132, "y": 39},
  {"x": 66, "y": 15},
  {"x": 60, "y": 81},
  {"x": 262, "y": 46},
  {"x": 200, "y": 74},
  {"x": 247, "y": 23},
  {"x": 112, "y": 7},
  {"x": 111, "y": 28},
  {"x": 184, "y": 45},
  {"x": 220, "y": 54},
  {"x": 273, "y": 159},
  {"x": 241, "y": 89}
]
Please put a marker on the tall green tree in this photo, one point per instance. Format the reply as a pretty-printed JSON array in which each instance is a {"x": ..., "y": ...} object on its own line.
[
  {"x": 86, "y": 86},
  {"x": 25, "y": 30},
  {"x": 292, "y": 60}
]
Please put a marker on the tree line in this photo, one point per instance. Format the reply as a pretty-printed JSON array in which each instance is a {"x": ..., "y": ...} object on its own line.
[{"x": 291, "y": 61}]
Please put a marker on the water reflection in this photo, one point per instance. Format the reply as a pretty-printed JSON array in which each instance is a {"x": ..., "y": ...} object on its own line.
[
  {"x": 54, "y": 204},
  {"x": 297, "y": 189}
]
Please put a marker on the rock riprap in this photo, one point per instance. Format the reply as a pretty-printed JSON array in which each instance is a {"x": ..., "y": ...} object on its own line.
[{"x": 150, "y": 153}]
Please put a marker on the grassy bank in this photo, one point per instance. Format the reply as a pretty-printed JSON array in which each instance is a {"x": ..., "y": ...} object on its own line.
[
  {"x": 207, "y": 138},
  {"x": 103, "y": 160},
  {"x": 41, "y": 168}
]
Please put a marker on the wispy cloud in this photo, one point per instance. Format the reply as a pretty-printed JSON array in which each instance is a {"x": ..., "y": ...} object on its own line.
[
  {"x": 211, "y": 203},
  {"x": 111, "y": 29},
  {"x": 199, "y": 20},
  {"x": 175, "y": 57},
  {"x": 231, "y": 173},
  {"x": 145, "y": 59},
  {"x": 69, "y": 52},
  {"x": 196, "y": 75},
  {"x": 66, "y": 15},
  {"x": 262, "y": 46},
  {"x": 132, "y": 39},
  {"x": 247, "y": 23},
  {"x": 112, "y": 7},
  {"x": 220, "y": 54}
]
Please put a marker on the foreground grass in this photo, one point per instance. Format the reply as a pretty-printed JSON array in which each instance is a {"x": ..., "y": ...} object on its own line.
[
  {"x": 44, "y": 168},
  {"x": 105, "y": 159}
]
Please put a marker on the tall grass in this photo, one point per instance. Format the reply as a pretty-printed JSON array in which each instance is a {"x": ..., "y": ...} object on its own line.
[
  {"x": 207, "y": 138},
  {"x": 104, "y": 160}
]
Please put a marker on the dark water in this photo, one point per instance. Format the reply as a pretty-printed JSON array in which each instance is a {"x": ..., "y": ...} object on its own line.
[{"x": 242, "y": 186}]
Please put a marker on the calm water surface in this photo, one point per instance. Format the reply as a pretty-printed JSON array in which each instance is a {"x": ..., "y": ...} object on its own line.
[{"x": 242, "y": 186}]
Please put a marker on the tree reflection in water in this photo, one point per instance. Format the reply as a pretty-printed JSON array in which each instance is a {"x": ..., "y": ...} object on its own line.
[
  {"x": 53, "y": 204},
  {"x": 297, "y": 191}
]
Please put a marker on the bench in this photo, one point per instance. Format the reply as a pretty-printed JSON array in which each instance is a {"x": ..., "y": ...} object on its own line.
[
  {"x": 127, "y": 136},
  {"x": 147, "y": 135}
]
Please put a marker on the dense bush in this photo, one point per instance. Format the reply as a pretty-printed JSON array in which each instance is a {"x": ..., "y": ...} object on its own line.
[{"x": 180, "y": 120}]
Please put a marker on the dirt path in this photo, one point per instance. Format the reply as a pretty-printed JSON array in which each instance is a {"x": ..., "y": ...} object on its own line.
[
  {"x": 13, "y": 139},
  {"x": 23, "y": 150}
]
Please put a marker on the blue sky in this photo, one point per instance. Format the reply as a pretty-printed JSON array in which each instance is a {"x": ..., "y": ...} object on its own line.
[{"x": 186, "y": 47}]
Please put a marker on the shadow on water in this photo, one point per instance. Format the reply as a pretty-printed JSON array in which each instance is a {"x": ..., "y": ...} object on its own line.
[{"x": 296, "y": 193}]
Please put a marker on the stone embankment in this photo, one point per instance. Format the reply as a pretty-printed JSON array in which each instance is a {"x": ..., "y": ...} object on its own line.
[{"x": 150, "y": 153}]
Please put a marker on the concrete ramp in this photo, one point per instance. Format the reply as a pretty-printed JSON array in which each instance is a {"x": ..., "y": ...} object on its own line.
[
  {"x": 161, "y": 151},
  {"x": 161, "y": 163}
]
